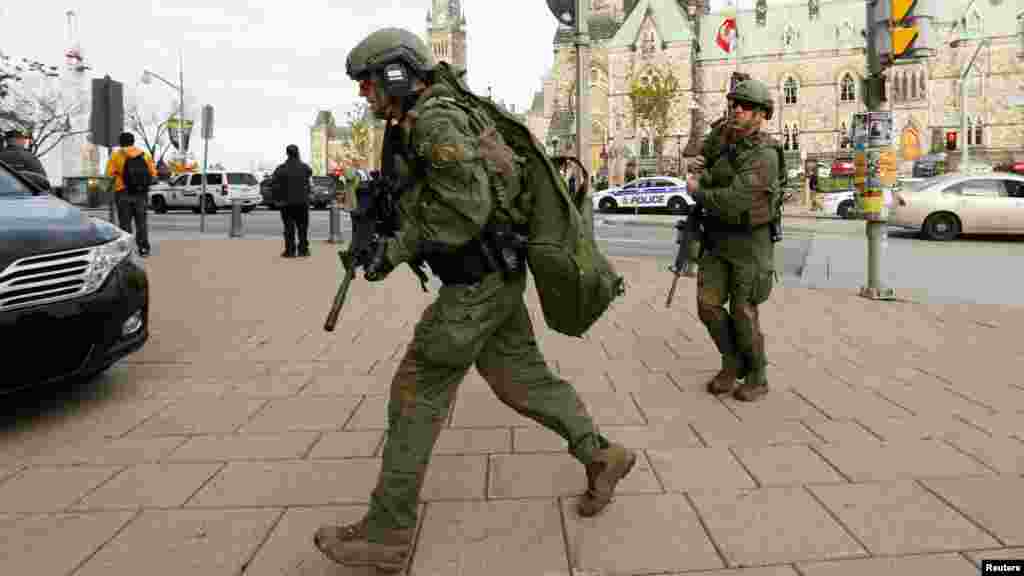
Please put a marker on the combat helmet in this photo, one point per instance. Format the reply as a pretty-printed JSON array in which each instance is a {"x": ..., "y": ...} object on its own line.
[
  {"x": 754, "y": 92},
  {"x": 393, "y": 57}
]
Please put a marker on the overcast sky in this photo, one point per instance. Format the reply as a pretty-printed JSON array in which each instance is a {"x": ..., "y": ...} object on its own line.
[{"x": 267, "y": 66}]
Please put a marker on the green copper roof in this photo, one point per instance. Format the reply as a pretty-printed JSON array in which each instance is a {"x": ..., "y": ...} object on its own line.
[{"x": 669, "y": 20}]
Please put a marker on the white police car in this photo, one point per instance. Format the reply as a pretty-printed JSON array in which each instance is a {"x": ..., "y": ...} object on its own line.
[{"x": 653, "y": 192}]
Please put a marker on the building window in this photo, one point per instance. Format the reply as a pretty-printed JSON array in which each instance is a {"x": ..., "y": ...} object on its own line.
[
  {"x": 796, "y": 138},
  {"x": 789, "y": 38},
  {"x": 787, "y": 143},
  {"x": 896, "y": 87},
  {"x": 848, "y": 90},
  {"x": 913, "y": 85},
  {"x": 789, "y": 89},
  {"x": 844, "y": 136},
  {"x": 922, "y": 86},
  {"x": 649, "y": 44},
  {"x": 645, "y": 148}
]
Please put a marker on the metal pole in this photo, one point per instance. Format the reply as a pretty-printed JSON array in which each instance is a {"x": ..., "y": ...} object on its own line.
[
  {"x": 583, "y": 123},
  {"x": 964, "y": 154}
]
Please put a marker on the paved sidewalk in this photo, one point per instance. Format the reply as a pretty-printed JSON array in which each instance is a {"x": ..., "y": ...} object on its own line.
[{"x": 892, "y": 443}]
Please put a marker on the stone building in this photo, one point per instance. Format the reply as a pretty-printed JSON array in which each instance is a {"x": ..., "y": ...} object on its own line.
[{"x": 811, "y": 53}]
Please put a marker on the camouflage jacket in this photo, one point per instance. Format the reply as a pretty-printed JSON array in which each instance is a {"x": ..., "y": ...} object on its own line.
[
  {"x": 449, "y": 201},
  {"x": 741, "y": 186}
]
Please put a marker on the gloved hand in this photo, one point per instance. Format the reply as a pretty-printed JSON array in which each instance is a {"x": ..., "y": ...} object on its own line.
[
  {"x": 694, "y": 189},
  {"x": 379, "y": 267}
]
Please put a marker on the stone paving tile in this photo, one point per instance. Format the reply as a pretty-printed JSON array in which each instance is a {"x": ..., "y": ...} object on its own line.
[
  {"x": 931, "y": 565},
  {"x": 785, "y": 465},
  {"x": 105, "y": 420},
  {"x": 778, "y": 405},
  {"x": 611, "y": 408},
  {"x": 756, "y": 433},
  {"x": 911, "y": 428},
  {"x": 306, "y": 413},
  {"x": 997, "y": 397},
  {"x": 986, "y": 501},
  {"x": 666, "y": 403},
  {"x": 222, "y": 448},
  {"x": 933, "y": 400},
  {"x": 895, "y": 518},
  {"x": 200, "y": 416},
  {"x": 122, "y": 451},
  {"x": 455, "y": 477},
  {"x": 55, "y": 544},
  {"x": 268, "y": 386},
  {"x": 371, "y": 414},
  {"x": 686, "y": 469},
  {"x": 658, "y": 436},
  {"x": 150, "y": 486},
  {"x": 537, "y": 439},
  {"x": 475, "y": 440},
  {"x": 627, "y": 374},
  {"x": 290, "y": 483},
  {"x": 290, "y": 550},
  {"x": 1005, "y": 455},
  {"x": 549, "y": 475},
  {"x": 51, "y": 489},
  {"x": 1003, "y": 424},
  {"x": 345, "y": 384},
  {"x": 842, "y": 432},
  {"x": 772, "y": 526},
  {"x": 482, "y": 409},
  {"x": 639, "y": 535},
  {"x": 900, "y": 460},
  {"x": 477, "y": 537},
  {"x": 356, "y": 444},
  {"x": 765, "y": 571},
  {"x": 175, "y": 542}
]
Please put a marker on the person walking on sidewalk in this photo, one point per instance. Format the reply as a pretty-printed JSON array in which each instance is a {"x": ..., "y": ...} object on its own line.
[
  {"x": 479, "y": 318},
  {"x": 133, "y": 171},
  {"x": 291, "y": 194},
  {"x": 738, "y": 193}
]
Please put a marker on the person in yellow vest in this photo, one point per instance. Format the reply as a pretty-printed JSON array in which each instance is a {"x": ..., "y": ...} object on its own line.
[{"x": 133, "y": 171}]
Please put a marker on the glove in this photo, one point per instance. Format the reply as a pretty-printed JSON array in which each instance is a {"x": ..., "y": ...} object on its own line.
[
  {"x": 698, "y": 195},
  {"x": 378, "y": 267}
]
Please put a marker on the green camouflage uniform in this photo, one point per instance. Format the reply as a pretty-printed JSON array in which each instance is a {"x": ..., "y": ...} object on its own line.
[
  {"x": 484, "y": 324},
  {"x": 738, "y": 262}
]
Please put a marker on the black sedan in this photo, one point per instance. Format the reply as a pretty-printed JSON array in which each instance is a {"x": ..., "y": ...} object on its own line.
[
  {"x": 74, "y": 297},
  {"x": 321, "y": 192}
]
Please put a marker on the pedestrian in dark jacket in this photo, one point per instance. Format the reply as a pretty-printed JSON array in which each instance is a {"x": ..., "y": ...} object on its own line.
[
  {"x": 291, "y": 188},
  {"x": 17, "y": 155}
]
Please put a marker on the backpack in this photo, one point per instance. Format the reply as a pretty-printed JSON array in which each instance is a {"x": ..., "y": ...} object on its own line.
[
  {"x": 575, "y": 282},
  {"x": 136, "y": 174}
]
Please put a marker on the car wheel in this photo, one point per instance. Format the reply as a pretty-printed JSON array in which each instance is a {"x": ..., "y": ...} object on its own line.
[
  {"x": 209, "y": 205},
  {"x": 845, "y": 209},
  {"x": 159, "y": 205},
  {"x": 677, "y": 205},
  {"x": 607, "y": 205},
  {"x": 942, "y": 226}
]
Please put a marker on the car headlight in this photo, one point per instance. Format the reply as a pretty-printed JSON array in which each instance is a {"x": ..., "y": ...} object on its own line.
[{"x": 106, "y": 257}]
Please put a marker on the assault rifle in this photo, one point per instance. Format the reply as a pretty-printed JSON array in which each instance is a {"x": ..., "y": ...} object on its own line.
[
  {"x": 373, "y": 218},
  {"x": 687, "y": 232}
]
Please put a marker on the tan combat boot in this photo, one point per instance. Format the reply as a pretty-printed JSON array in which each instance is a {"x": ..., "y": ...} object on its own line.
[
  {"x": 608, "y": 467},
  {"x": 755, "y": 387},
  {"x": 725, "y": 380},
  {"x": 348, "y": 545}
]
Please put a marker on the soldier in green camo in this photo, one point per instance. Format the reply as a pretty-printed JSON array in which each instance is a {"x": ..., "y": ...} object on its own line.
[
  {"x": 738, "y": 192},
  {"x": 480, "y": 316}
]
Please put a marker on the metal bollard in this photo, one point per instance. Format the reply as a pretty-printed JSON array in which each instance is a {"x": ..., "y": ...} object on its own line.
[
  {"x": 334, "y": 217},
  {"x": 236, "y": 219}
]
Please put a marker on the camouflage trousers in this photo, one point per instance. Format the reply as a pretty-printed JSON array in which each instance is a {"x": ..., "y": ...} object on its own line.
[
  {"x": 488, "y": 325},
  {"x": 736, "y": 332}
]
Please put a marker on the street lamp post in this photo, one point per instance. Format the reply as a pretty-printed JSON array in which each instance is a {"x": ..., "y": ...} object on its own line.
[
  {"x": 964, "y": 75},
  {"x": 147, "y": 78}
]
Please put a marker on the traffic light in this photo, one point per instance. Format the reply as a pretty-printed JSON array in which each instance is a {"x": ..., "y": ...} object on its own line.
[
  {"x": 950, "y": 141},
  {"x": 899, "y": 30}
]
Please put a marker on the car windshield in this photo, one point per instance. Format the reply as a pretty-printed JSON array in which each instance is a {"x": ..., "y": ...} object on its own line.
[
  {"x": 11, "y": 186},
  {"x": 241, "y": 179},
  {"x": 918, "y": 185}
]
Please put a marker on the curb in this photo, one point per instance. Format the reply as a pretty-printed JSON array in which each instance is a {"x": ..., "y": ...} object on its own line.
[{"x": 639, "y": 221}]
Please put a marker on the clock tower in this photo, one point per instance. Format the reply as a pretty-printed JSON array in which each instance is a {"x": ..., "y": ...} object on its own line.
[{"x": 446, "y": 32}]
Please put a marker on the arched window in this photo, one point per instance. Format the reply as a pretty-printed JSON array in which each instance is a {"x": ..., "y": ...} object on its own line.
[
  {"x": 977, "y": 132},
  {"x": 848, "y": 90},
  {"x": 922, "y": 88},
  {"x": 645, "y": 148},
  {"x": 904, "y": 86},
  {"x": 790, "y": 90},
  {"x": 970, "y": 131},
  {"x": 913, "y": 85},
  {"x": 786, "y": 143},
  {"x": 844, "y": 136},
  {"x": 796, "y": 137},
  {"x": 896, "y": 87}
]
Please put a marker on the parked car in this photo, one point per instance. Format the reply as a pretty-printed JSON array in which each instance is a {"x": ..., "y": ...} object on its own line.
[
  {"x": 652, "y": 192},
  {"x": 183, "y": 192},
  {"x": 945, "y": 206},
  {"x": 322, "y": 191},
  {"x": 1013, "y": 167},
  {"x": 929, "y": 166},
  {"x": 74, "y": 296}
]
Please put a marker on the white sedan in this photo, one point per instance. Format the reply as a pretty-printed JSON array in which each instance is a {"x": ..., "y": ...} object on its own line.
[{"x": 654, "y": 192}]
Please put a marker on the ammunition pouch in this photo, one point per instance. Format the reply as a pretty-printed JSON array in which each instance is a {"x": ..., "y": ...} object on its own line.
[
  {"x": 507, "y": 245},
  {"x": 462, "y": 265}
]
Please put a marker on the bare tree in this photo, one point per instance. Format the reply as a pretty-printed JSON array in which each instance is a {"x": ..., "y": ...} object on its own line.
[
  {"x": 37, "y": 110},
  {"x": 652, "y": 98},
  {"x": 152, "y": 129}
]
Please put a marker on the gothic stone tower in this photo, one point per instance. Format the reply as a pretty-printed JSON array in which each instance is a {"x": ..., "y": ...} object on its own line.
[{"x": 446, "y": 32}]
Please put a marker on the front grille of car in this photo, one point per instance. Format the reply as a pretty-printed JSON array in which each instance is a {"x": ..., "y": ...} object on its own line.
[
  {"x": 44, "y": 279},
  {"x": 29, "y": 340}
]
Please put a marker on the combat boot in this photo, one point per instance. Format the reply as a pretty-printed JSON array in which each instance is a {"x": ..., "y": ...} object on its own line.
[
  {"x": 725, "y": 380},
  {"x": 608, "y": 466},
  {"x": 348, "y": 545},
  {"x": 755, "y": 387}
]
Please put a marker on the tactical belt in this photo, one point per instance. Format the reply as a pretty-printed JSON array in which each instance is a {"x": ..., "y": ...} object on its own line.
[{"x": 467, "y": 264}]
